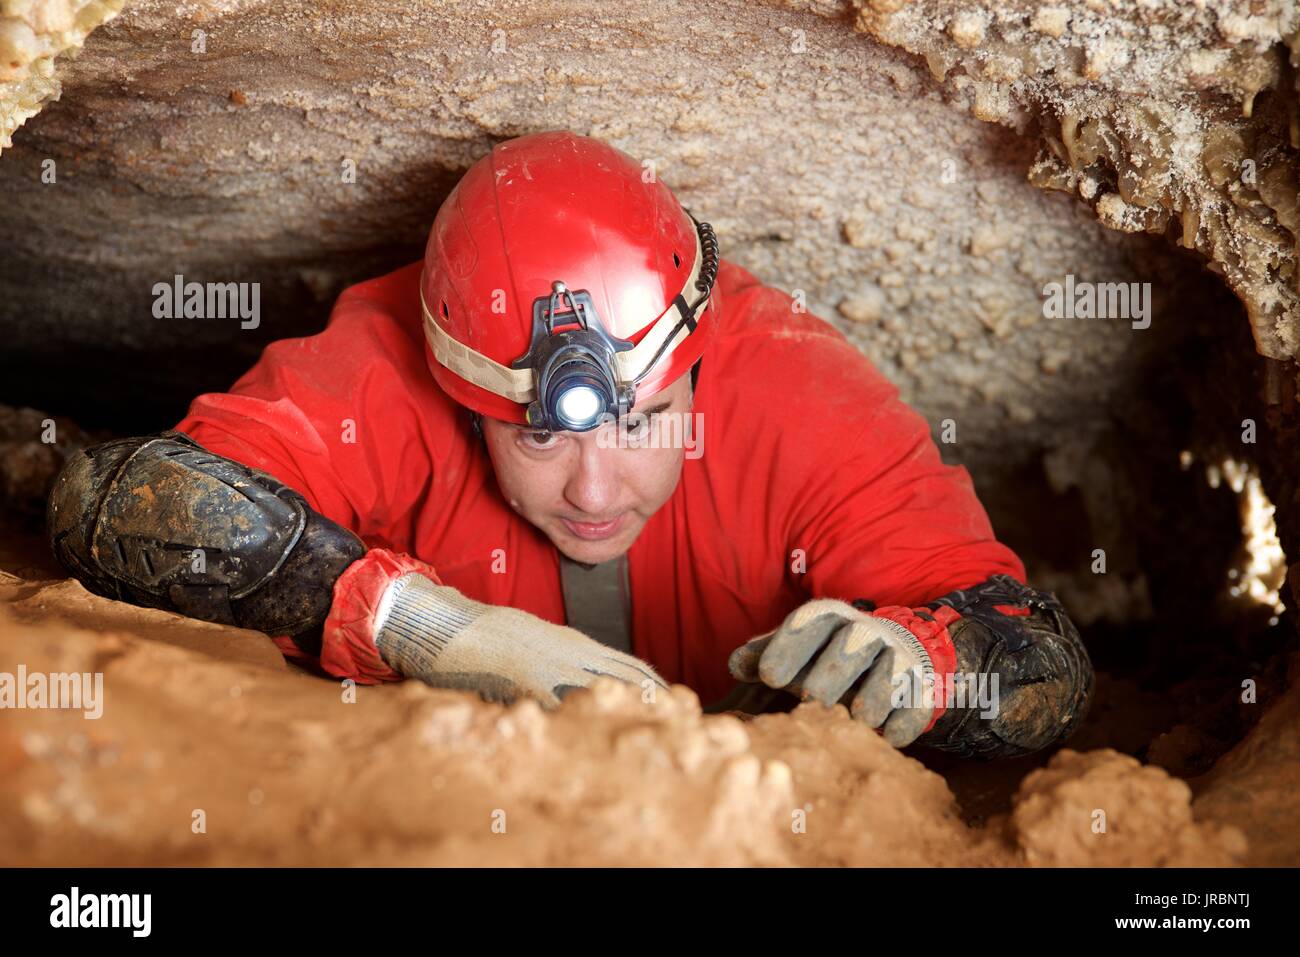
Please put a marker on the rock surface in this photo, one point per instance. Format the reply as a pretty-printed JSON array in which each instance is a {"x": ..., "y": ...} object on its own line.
[
  {"x": 834, "y": 166},
  {"x": 1173, "y": 118},
  {"x": 32, "y": 34},
  {"x": 211, "y": 750}
]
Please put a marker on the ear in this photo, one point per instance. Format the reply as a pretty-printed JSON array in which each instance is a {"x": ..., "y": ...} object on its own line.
[{"x": 695, "y": 378}]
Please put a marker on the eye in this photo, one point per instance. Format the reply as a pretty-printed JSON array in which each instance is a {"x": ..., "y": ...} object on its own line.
[{"x": 539, "y": 440}]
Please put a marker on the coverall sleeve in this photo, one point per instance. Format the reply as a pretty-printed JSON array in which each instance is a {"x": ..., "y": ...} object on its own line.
[
  {"x": 350, "y": 417},
  {"x": 884, "y": 517},
  {"x": 864, "y": 493}
]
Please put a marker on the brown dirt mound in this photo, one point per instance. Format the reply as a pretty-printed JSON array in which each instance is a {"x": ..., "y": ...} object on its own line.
[{"x": 211, "y": 750}]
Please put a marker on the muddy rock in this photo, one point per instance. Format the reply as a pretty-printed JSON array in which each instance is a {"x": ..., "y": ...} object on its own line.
[
  {"x": 1105, "y": 809},
  {"x": 1254, "y": 786},
  {"x": 211, "y": 750}
]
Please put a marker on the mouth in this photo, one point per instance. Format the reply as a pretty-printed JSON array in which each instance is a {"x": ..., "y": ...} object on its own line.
[{"x": 595, "y": 531}]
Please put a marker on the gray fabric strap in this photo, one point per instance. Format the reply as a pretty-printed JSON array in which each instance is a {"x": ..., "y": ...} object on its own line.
[{"x": 598, "y": 600}]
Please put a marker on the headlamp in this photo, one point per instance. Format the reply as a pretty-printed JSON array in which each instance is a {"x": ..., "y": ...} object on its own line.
[
  {"x": 577, "y": 385},
  {"x": 573, "y": 357}
]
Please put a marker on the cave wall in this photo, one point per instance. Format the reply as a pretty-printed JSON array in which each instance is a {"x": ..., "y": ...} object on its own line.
[
  {"x": 1178, "y": 119},
  {"x": 868, "y": 156},
  {"x": 829, "y": 164},
  {"x": 33, "y": 33}
]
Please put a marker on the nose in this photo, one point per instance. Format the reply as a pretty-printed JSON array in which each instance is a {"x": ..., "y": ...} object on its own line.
[{"x": 593, "y": 482}]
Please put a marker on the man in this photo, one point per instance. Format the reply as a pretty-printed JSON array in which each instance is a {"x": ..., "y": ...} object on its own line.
[{"x": 582, "y": 333}]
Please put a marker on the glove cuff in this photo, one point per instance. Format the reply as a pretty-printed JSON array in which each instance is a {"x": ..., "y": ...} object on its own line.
[
  {"x": 931, "y": 629},
  {"x": 417, "y": 619},
  {"x": 348, "y": 648}
]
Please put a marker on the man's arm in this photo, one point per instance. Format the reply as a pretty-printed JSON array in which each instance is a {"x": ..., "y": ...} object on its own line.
[
  {"x": 159, "y": 521},
  {"x": 886, "y": 525},
  {"x": 914, "y": 548},
  {"x": 1021, "y": 644},
  {"x": 259, "y": 512}
]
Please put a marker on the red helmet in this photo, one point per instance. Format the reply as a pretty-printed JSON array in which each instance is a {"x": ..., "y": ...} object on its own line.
[{"x": 561, "y": 284}]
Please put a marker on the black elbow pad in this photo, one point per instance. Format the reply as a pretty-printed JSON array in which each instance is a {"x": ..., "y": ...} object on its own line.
[
  {"x": 161, "y": 522},
  {"x": 1044, "y": 678}
]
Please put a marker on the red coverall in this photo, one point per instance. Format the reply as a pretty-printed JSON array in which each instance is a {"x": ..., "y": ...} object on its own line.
[{"x": 806, "y": 446}]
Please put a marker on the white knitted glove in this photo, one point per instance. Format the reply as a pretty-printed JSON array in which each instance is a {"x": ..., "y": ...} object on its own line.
[{"x": 434, "y": 633}]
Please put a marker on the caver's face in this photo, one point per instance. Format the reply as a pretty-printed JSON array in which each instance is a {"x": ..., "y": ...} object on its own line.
[{"x": 593, "y": 495}]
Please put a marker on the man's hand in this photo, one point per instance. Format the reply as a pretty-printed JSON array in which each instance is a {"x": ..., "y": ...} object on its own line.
[
  {"x": 828, "y": 651},
  {"x": 434, "y": 633}
]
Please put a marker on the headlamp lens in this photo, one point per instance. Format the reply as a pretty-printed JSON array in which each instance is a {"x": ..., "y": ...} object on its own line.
[{"x": 579, "y": 407}]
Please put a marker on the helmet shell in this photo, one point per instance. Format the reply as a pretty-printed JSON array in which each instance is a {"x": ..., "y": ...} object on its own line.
[{"x": 556, "y": 206}]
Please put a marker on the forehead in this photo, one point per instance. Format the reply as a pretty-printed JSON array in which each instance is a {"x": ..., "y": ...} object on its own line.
[{"x": 665, "y": 396}]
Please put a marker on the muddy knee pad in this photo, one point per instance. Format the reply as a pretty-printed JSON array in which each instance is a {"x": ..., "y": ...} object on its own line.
[
  {"x": 159, "y": 521},
  {"x": 1035, "y": 661}
]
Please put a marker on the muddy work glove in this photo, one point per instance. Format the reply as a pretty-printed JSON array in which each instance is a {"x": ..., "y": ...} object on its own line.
[
  {"x": 432, "y": 632},
  {"x": 874, "y": 663}
]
